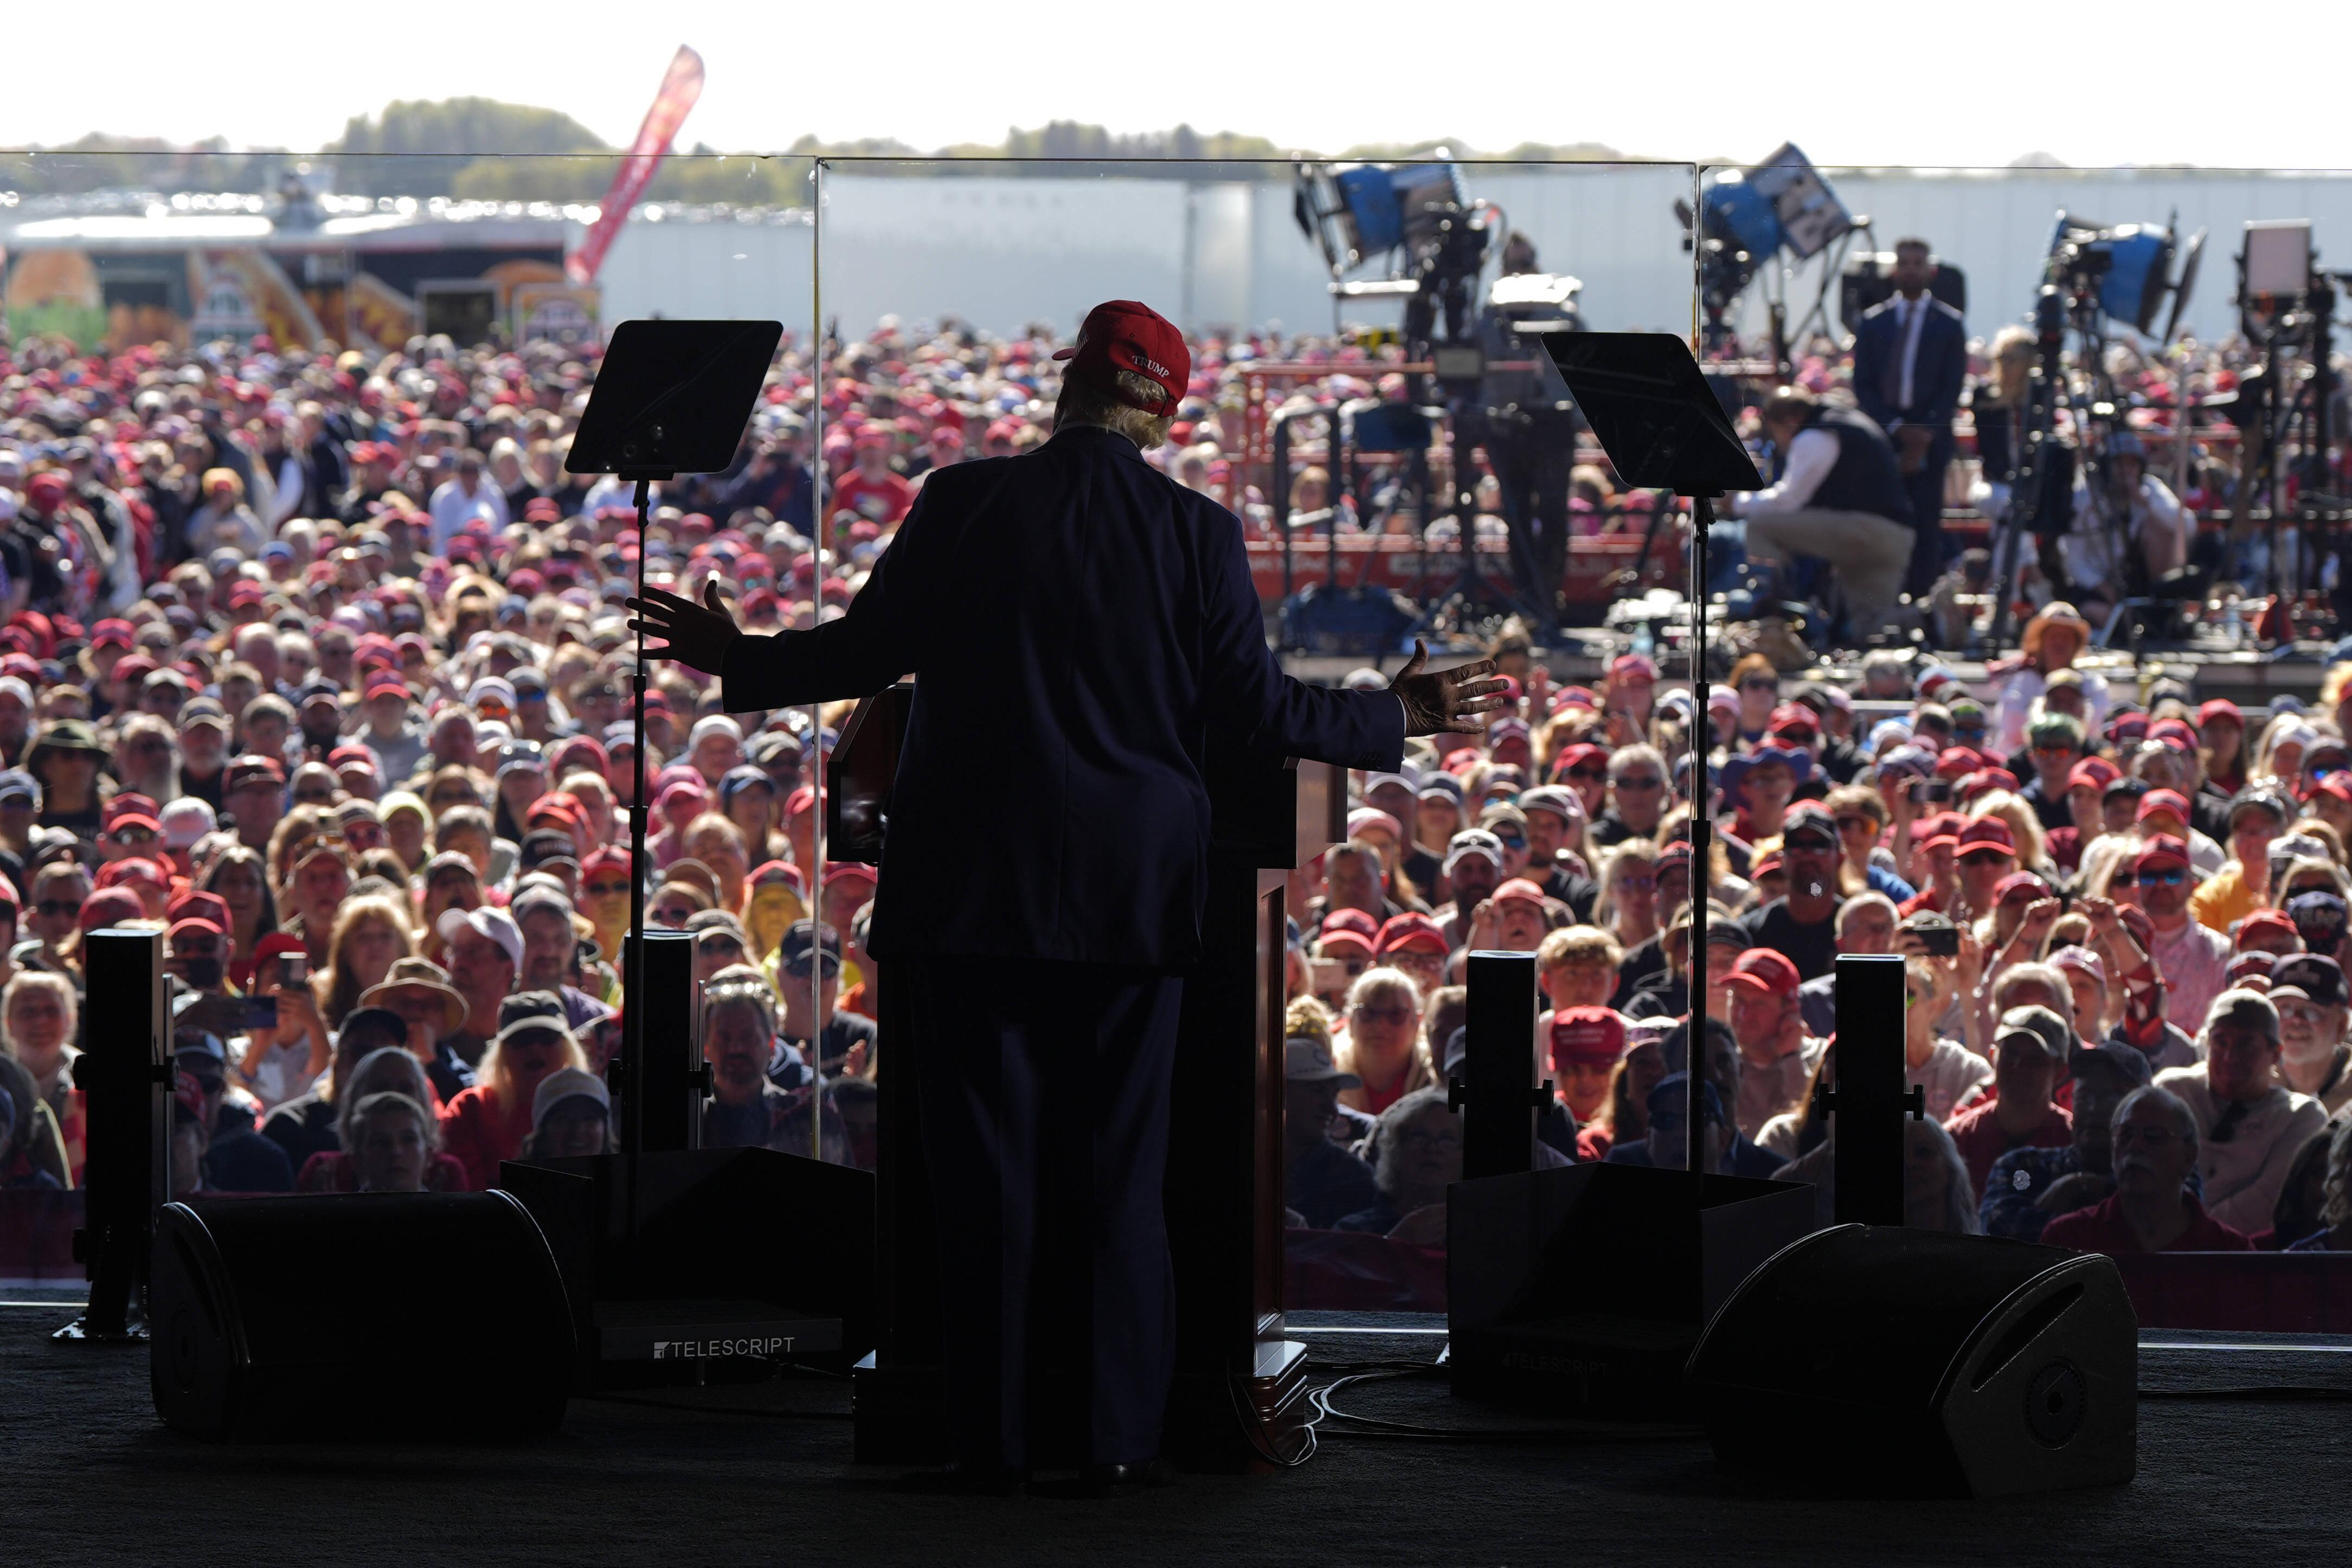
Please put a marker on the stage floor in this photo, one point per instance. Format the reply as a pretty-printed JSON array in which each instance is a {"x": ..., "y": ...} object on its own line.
[{"x": 93, "y": 1477}]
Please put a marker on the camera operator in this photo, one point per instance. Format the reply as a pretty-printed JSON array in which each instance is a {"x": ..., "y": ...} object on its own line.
[
  {"x": 2130, "y": 531},
  {"x": 1910, "y": 357},
  {"x": 1837, "y": 493},
  {"x": 1529, "y": 434}
]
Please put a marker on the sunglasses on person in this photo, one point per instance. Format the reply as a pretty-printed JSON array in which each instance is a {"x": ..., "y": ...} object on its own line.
[
  {"x": 1850, "y": 824},
  {"x": 1509, "y": 840},
  {"x": 607, "y": 888},
  {"x": 1382, "y": 1015},
  {"x": 53, "y": 908},
  {"x": 2053, "y": 752},
  {"x": 673, "y": 915},
  {"x": 1759, "y": 683},
  {"x": 1650, "y": 782},
  {"x": 132, "y": 836},
  {"x": 1984, "y": 857},
  {"x": 1594, "y": 775},
  {"x": 2171, "y": 877}
]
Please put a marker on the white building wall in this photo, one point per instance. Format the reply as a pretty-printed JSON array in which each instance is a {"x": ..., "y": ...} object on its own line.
[{"x": 1001, "y": 251}]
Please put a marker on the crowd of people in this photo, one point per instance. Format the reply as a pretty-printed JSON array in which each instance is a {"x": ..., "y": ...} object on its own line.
[
  {"x": 316, "y": 664},
  {"x": 1879, "y": 442},
  {"x": 2123, "y": 917}
]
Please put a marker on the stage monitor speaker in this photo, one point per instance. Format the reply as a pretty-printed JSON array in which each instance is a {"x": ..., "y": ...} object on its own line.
[
  {"x": 358, "y": 1318},
  {"x": 1887, "y": 1362}
]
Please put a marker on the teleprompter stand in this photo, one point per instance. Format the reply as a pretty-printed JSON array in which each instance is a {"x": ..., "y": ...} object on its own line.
[
  {"x": 665, "y": 1247},
  {"x": 1584, "y": 1288},
  {"x": 1238, "y": 1401}
]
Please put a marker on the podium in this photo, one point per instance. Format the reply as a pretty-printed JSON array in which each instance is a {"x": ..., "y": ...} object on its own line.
[{"x": 1239, "y": 1396}]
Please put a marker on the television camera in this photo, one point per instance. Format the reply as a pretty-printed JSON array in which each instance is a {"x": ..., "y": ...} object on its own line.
[
  {"x": 1435, "y": 241},
  {"x": 2285, "y": 405},
  {"x": 1488, "y": 373},
  {"x": 1750, "y": 217},
  {"x": 2095, "y": 278}
]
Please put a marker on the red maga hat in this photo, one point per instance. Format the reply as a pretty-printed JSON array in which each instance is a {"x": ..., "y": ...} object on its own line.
[{"x": 1121, "y": 334}]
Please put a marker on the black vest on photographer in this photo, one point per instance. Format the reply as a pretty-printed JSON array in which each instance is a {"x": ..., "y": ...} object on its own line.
[{"x": 1867, "y": 477}]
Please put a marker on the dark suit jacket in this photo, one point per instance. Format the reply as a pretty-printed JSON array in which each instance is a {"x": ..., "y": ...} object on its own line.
[
  {"x": 1936, "y": 373},
  {"x": 1078, "y": 624}
]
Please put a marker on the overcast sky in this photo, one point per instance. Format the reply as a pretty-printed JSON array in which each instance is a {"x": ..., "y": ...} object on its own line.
[{"x": 1976, "y": 84}]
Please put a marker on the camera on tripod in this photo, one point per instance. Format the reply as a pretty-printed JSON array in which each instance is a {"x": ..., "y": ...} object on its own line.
[
  {"x": 1415, "y": 215},
  {"x": 1749, "y": 216},
  {"x": 2127, "y": 270}
]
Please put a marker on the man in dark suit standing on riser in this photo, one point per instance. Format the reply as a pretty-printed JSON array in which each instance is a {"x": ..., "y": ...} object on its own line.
[
  {"x": 1079, "y": 625},
  {"x": 1910, "y": 360}
]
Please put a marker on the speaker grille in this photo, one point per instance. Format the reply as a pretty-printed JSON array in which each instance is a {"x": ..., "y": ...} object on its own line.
[{"x": 2056, "y": 1401}]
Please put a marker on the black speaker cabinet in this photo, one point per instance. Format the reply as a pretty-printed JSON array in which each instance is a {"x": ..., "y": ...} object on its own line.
[
  {"x": 1880, "y": 1360},
  {"x": 698, "y": 1275},
  {"x": 357, "y": 1318},
  {"x": 1581, "y": 1290}
]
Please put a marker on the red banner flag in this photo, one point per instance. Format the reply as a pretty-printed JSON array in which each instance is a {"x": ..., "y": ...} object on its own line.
[{"x": 679, "y": 89}]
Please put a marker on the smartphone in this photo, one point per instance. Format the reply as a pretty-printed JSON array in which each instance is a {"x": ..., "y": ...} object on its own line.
[
  {"x": 260, "y": 1012},
  {"x": 1326, "y": 976},
  {"x": 1937, "y": 933},
  {"x": 1930, "y": 792},
  {"x": 293, "y": 969}
]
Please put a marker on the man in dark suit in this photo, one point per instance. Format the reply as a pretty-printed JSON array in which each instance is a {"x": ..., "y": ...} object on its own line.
[
  {"x": 1910, "y": 358},
  {"x": 1081, "y": 627}
]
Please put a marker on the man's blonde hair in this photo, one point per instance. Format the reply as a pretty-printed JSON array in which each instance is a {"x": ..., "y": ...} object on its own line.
[{"x": 1084, "y": 402}]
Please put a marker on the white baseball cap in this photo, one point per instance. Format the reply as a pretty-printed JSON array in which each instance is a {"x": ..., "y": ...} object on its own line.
[{"x": 495, "y": 924}]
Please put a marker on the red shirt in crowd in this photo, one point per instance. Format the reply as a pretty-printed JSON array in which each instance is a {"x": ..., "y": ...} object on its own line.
[
  {"x": 1981, "y": 1139},
  {"x": 479, "y": 1131},
  {"x": 884, "y": 501},
  {"x": 2102, "y": 1227}
]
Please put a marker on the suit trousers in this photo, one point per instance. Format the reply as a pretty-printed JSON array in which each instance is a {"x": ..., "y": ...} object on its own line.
[
  {"x": 1930, "y": 546},
  {"x": 1045, "y": 1090},
  {"x": 1870, "y": 553}
]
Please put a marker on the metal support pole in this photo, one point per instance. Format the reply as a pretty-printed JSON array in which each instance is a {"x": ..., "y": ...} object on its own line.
[
  {"x": 1497, "y": 1091},
  {"x": 1702, "y": 881}
]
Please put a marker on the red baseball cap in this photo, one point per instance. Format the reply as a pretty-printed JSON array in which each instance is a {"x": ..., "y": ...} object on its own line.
[
  {"x": 1760, "y": 972},
  {"x": 1337, "y": 939},
  {"x": 2164, "y": 849},
  {"x": 2158, "y": 800},
  {"x": 2261, "y": 920},
  {"x": 2092, "y": 773},
  {"x": 1519, "y": 889},
  {"x": 1988, "y": 832},
  {"x": 1941, "y": 828},
  {"x": 1355, "y": 921},
  {"x": 1959, "y": 762},
  {"x": 1586, "y": 1037},
  {"x": 1121, "y": 334},
  {"x": 2222, "y": 709},
  {"x": 1411, "y": 933},
  {"x": 2015, "y": 880}
]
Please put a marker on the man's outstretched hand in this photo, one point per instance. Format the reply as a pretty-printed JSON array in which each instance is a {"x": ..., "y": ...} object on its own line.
[
  {"x": 695, "y": 635},
  {"x": 1451, "y": 700}
]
